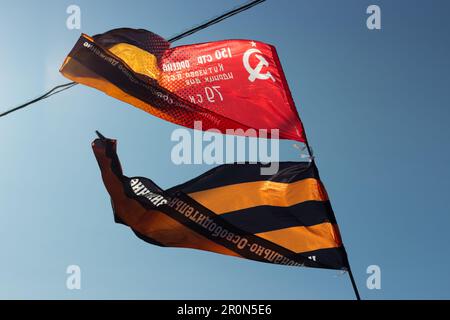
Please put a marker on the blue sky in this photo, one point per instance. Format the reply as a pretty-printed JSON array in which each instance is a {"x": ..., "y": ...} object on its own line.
[{"x": 375, "y": 105}]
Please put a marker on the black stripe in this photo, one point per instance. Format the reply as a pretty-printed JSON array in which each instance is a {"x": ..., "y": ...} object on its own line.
[
  {"x": 143, "y": 39},
  {"x": 269, "y": 218},
  {"x": 235, "y": 173},
  {"x": 142, "y": 87}
]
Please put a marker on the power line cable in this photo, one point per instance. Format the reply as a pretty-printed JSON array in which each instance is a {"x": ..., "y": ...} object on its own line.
[
  {"x": 51, "y": 92},
  {"x": 208, "y": 23}
]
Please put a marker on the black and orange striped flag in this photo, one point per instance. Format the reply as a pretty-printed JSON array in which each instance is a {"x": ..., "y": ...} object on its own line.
[{"x": 285, "y": 218}]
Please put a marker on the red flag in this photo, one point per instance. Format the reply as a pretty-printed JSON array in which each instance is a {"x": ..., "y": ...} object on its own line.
[
  {"x": 230, "y": 84},
  {"x": 239, "y": 79}
]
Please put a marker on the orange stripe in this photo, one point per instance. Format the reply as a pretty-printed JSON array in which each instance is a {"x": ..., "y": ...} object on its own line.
[
  {"x": 152, "y": 223},
  {"x": 77, "y": 72},
  {"x": 138, "y": 60},
  {"x": 259, "y": 193},
  {"x": 303, "y": 239}
]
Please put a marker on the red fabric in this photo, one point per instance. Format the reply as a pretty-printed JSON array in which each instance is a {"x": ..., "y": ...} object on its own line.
[{"x": 239, "y": 79}]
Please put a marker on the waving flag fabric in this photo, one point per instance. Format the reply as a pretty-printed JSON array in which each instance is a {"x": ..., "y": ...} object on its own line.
[
  {"x": 284, "y": 219},
  {"x": 230, "y": 84}
]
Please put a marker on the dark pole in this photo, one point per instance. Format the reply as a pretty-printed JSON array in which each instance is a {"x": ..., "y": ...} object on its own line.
[
  {"x": 352, "y": 279},
  {"x": 350, "y": 273}
]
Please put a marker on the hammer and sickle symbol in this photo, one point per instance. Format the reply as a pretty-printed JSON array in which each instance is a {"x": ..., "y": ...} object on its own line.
[{"x": 255, "y": 73}]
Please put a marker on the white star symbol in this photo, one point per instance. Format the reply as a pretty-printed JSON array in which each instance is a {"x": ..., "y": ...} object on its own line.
[{"x": 253, "y": 43}]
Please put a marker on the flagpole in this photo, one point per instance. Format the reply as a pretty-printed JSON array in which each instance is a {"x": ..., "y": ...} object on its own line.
[
  {"x": 308, "y": 147},
  {"x": 352, "y": 279},
  {"x": 350, "y": 273}
]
